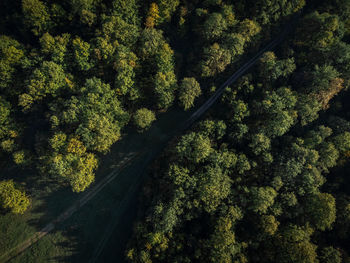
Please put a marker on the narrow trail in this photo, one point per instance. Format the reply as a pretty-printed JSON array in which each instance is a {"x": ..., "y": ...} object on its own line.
[{"x": 128, "y": 159}]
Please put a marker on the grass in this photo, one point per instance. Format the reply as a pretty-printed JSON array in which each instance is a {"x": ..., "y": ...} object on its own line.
[{"x": 49, "y": 249}]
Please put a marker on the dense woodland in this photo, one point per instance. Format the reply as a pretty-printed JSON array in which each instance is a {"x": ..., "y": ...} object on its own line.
[
  {"x": 261, "y": 178},
  {"x": 264, "y": 176}
]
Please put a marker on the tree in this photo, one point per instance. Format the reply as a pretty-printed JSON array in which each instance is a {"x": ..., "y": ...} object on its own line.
[
  {"x": 222, "y": 244},
  {"x": 114, "y": 28},
  {"x": 308, "y": 108},
  {"x": 262, "y": 198},
  {"x": 11, "y": 56},
  {"x": 81, "y": 51},
  {"x": 239, "y": 110},
  {"x": 212, "y": 128},
  {"x": 321, "y": 210},
  {"x": 55, "y": 48},
  {"x": 330, "y": 255},
  {"x": 293, "y": 244},
  {"x": 71, "y": 162},
  {"x": 46, "y": 80},
  {"x": 269, "y": 224},
  {"x": 234, "y": 42},
  {"x": 328, "y": 155},
  {"x": 96, "y": 115},
  {"x": 166, "y": 9},
  {"x": 213, "y": 187},
  {"x": 193, "y": 147},
  {"x": 277, "y": 106},
  {"x": 214, "y": 26},
  {"x": 5, "y": 110},
  {"x": 342, "y": 142},
  {"x": 143, "y": 118},
  {"x": 260, "y": 143},
  {"x": 189, "y": 90},
  {"x": 13, "y": 199},
  {"x": 318, "y": 31},
  {"x": 268, "y": 11},
  {"x": 165, "y": 85},
  {"x": 271, "y": 68},
  {"x": 150, "y": 41},
  {"x": 125, "y": 77},
  {"x": 248, "y": 28},
  {"x": 152, "y": 16},
  {"x": 215, "y": 60},
  {"x": 127, "y": 10},
  {"x": 36, "y": 16}
]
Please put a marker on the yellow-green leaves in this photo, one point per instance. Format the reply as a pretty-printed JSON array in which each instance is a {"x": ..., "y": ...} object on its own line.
[
  {"x": 143, "y": 118},
  {"x": 13, "y": 199}
]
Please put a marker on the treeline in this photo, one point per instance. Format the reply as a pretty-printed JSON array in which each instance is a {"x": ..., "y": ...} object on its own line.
[{"x": 264, "y": 177}]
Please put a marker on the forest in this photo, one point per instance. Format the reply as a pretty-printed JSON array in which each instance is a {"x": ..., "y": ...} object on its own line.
[{"x": 261, "y": 177}]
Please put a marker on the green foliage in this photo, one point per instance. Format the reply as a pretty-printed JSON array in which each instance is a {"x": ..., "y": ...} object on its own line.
[
  {"x": 127, "y": 10},
  {"x": 36, "y": 16},
  {"x": 215, "y": 60},
  {"x": 55, "y": 47},
  {"x": 322, "y": 76},
  {"x": 318, "y": 31},
  {"x": 222, "y": 243},
  {"x": 293, "y": 245},
  {"x": 271, "y": 69},
  {"x": 243, "y": 185},
  {"x": 143, "y": 118},
  {"x": 97, "y": 115},
  {"x": 167, "y": 8},
  {"x": 125, "y": 78},
  {"x": 342, "y": 142},
  {"x": 21, "y": 157},
  {"x": 308, "y": 108},
  {"x": 240, "y": 110},
  {"x": 321, "y": 210},
  {"x": 193, "y": 147},
  {"x": 13, "y": 199},
  {"x": 248, "y": 29},
  {"x": 212, "y": 129},
  {"x": 81, "y": 54},
  {"x": 262, "y": 198},
  {"x": 277, "y": 107},
  {"x": 44, "y": 81},
  {"x": 5, "y": 110},
  {"x": 160, "y": 58},
  {"x": 213, "y": 187},
  {"x": 165, "y": 85},
  {"x": 189, "y": 90},
  {"x": 116, "y": 30},
  {"x": 214, "y": 26},
  {"x": 11, "y": 55},
  {"x": 260, "y": 143},
  {"x": 268, "y": 11},
  {"x": 72, "y": 162},
  {"x": 269, "y": 224},
  {"x": 330, "y": 255}
]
